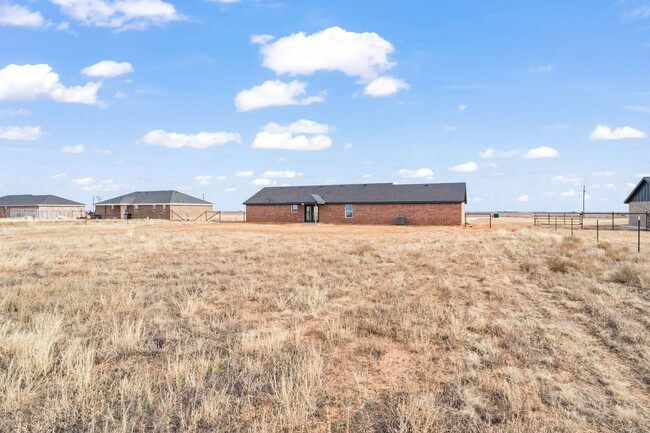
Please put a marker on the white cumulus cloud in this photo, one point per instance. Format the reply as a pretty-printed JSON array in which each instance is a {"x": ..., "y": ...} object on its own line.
[
  {"x": 385, "y": 86},
  {"x": 568, "y": 194},
  {"x": 245, "y": 173},
  {"x": 493, "y": 153},
  {"x": 541, "y": 152},
  {"x": 262, "y": 182},
  {"x": 523, "y": 198},
  {"x": 468, "y": 167},
  {"x": 19, "y": 16},
  {"x": 416, "y": 174},
  {"x": 363, "y": 55},
  {"x": 31, "y": 82},
  {"x": 20, "y": 133},
  {"x": 303, "y": 135},
  {"x": 284, "y": 174},
  {"x": 261, "y": 39},
  {"x": 203, "y": 180},
  {"x": 107, "y": 69},
  {"x": 131, "y": 14},
  {"x": 202, "y": 140},
  {"x": 570, "y": 178},
  {"x": 78, "y": 148},
  {"x": 83, "y": 181},
  {"x": 274, "y": 93},
  {"x": 604, "y": 132}
]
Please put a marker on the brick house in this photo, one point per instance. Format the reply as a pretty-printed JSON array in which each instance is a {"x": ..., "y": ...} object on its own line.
[
  {"x": 169, "y": 205},
  {"x": 373, "y": 203},
  {"x": 49, "y": 207},
  {"x": 639, "y": 203}
]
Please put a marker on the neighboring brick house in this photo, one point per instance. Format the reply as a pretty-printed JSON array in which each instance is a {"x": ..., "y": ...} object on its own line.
[
  {"x": 373, "y": 203},
  {"x": 169, "y": 205},
  {"x": 639, "y": 203},
  {"x": 49, "y": 207}
]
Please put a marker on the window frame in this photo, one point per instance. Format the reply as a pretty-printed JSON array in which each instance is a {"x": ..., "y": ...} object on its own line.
[
  {"x": 351, "y": 211},
  {"x": 294, "y": 208}
]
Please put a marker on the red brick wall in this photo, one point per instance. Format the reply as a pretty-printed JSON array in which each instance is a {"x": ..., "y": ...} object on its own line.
[
  {"x": 416, "y": 214},
  {"x": 280, "y": 213}
]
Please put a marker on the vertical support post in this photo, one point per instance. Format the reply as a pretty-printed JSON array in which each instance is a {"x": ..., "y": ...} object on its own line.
[
  {"x": 638, "y": 235},
  {"x": 647, "y": 220},
  {"x": 490, "y": 220},
  {"x": 597, "y": 232},
  {"x": 555, "y": 223},
  {"x": 466, "y": 220},
  {"x": 549, "y": 218},
  {"x": 612, "y": 220},
  {"x": 571, "y": 226}
]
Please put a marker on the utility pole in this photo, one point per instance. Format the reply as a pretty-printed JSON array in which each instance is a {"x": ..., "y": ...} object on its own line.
[{"x": 584, "y": 190}]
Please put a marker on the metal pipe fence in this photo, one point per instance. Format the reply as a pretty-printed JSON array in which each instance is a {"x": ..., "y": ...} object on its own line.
[{"x": 590, "y": 220}]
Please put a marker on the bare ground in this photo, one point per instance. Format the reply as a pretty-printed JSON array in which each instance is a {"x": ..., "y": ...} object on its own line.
[{"x": 241, "y": 327}]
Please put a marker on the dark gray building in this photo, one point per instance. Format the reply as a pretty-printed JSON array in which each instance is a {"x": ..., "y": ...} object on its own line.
[{"x": 639, "y": 202}]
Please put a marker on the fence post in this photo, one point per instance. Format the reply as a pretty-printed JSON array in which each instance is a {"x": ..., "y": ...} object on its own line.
[
  {"x": 597, "y": 233},
  {"x": 638, "y": 235},
  {"x": 549, "y": 218},
  {"x": 582, "y": 221},
  {"x": 490, "y": 220},
  {"x": 612, "y": 220},
  {"x": 647, "y": 220},
  {"x": 555, "y": 223},
  {"x": 465, "y": 219},
  {"x": 571, "y": 226}
]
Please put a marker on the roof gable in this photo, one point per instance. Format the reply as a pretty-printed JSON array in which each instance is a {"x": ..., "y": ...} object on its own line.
[
  {"x": 362, "y": 193},
  {"x": 37, "y": 200},
  {"x": 644, "y": 181},
  {"x": 153, "y": 197}
]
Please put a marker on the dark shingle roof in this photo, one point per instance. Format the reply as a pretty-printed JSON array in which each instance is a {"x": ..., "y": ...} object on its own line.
[
  {"x": 362, "y": 193},
  {"x": 36, "y": 200},
  {"x": 153, "y": 197},
  {"x": 636, "y": 188}
]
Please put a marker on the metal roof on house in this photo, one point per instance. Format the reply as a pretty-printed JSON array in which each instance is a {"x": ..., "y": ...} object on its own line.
[
  {"x": 36, "y": 200},
  {"x": 153, "y": 197},
  {"x": 362, "y": 193},
  {"x": 644, "y": 181}
]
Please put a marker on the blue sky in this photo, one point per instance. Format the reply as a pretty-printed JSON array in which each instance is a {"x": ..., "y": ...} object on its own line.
[{"x": 525, "y": 101}]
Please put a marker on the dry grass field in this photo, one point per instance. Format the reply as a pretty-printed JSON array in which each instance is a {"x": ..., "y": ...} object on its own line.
[{"x": 158, "y": 326}]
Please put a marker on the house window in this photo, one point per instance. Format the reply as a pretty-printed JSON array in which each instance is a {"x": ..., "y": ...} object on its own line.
[
  {"x": 348, "y": 211},
  {"x": 137, "y": 206},
  {"x": 153, "y": 208},
  {"x": 294, "y": 208}
]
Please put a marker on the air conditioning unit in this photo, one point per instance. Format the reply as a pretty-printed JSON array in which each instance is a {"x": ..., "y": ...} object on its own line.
[{"x": 400, "y": 220}]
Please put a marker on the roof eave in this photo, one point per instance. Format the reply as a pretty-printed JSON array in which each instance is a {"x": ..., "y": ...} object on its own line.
[{"x": 634, "y": 191}]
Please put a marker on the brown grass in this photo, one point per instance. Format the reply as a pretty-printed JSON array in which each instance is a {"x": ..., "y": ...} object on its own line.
[{"x": 157, "y": 326}]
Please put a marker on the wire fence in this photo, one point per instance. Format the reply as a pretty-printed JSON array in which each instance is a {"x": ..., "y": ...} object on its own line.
[
  {"x": 596, "y": 221},
  {"x": 593, "y": 220}
]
